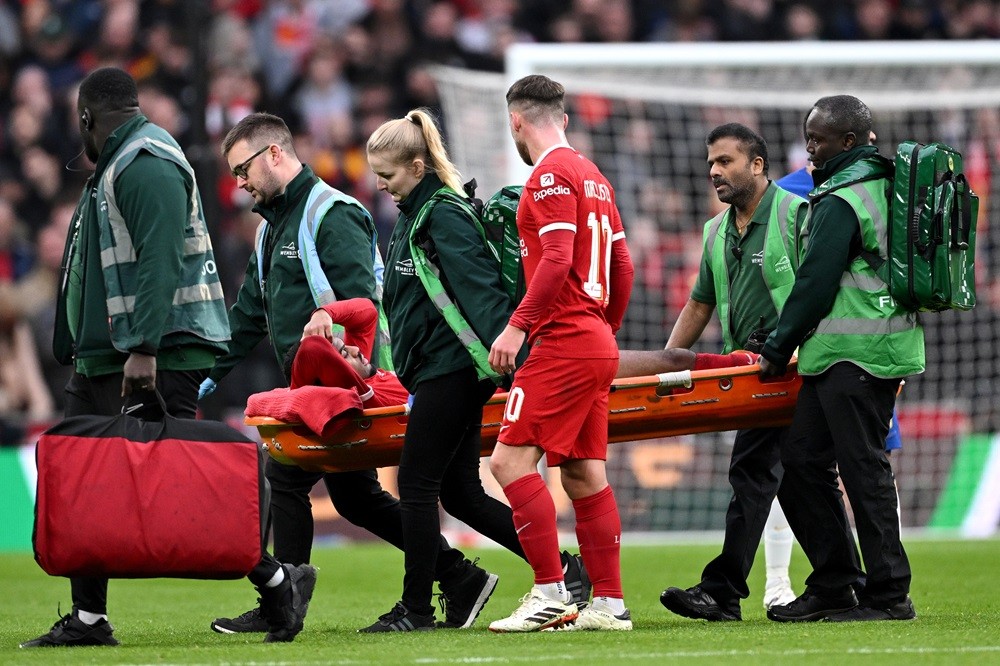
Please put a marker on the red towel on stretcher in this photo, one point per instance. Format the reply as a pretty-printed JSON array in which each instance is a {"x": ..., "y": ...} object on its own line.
[{"x": 316, "y": 407}]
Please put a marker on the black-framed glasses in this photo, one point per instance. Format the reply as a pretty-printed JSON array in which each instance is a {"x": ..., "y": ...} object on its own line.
[{"x": 240, "y": 170}]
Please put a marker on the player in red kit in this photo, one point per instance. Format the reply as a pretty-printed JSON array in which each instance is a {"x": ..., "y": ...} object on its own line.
[
  {"x": 579, "y": 276},
  {"x": 323, "y": 359}
]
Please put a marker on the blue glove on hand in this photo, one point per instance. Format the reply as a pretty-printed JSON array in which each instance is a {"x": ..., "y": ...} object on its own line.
[{"x": 206, "y": 388}]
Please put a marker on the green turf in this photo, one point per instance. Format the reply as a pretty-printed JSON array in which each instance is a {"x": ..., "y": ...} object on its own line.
[{"x": 955, "y": 591}]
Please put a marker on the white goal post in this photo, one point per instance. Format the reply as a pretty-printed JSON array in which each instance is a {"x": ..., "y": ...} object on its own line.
[{"x": 642, "y": 112}]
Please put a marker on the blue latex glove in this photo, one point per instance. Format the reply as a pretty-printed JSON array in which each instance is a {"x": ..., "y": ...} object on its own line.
[
  {"x": 409, "y": 401},
  {"x": 207, "y": 388}
]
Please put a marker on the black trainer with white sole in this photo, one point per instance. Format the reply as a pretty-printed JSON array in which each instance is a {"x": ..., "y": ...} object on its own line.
[
  {"x": 464, "y": 596},
  {"x": 250, "y": 622},
  {"x": 400, "y": 619},
  {"x": 71, "y": 631}
]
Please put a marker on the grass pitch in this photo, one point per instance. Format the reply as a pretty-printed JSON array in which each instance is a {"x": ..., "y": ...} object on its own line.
[{"x": 955, "y": 590}]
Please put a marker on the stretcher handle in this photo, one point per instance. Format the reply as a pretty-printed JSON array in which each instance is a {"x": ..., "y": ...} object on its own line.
[{"x": 687, "y": 378}]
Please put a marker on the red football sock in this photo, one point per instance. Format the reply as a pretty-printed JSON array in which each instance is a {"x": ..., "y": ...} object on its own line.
[
  {"x": 599, "y": 531},
  {"x": 713, "y": 361},
  {"x": 535, "y": 522}
]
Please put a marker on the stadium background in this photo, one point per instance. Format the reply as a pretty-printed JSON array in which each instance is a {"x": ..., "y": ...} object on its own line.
[{"x": 335, "y": 69}]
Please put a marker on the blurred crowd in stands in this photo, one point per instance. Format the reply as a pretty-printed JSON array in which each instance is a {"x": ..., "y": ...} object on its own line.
[{"x": 335, "y": 70}]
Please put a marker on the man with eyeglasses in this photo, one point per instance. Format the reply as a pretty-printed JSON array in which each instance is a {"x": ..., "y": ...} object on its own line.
[{"x": 316, "y": 246}]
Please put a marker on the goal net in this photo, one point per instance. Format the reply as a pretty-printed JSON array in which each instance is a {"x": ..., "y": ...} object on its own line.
[{"x": 642, "y": 113}]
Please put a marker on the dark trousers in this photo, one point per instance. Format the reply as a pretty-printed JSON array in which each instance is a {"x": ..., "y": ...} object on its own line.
[
  {"x": 357, "y": 496},
  {"x": 841, "y": 422},
  {"x": 101, "y": 396},
  {"x": 755, "y": 475},
  {"x": 440, "y": 460}
]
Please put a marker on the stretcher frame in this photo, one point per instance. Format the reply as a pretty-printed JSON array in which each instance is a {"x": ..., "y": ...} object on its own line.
[{"x": 663, "y": 405}]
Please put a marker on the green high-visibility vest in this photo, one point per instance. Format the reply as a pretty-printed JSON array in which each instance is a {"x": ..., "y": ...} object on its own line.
[
  {"x": 865, "y": 326},
  {"x": 779, "y": 262},
  {"x": 198, "y": 306}
]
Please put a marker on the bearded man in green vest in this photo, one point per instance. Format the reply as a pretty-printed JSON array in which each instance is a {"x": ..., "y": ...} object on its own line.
[
  {"x": 855, "y": 346},
  {"x": 747, "y": 271}
]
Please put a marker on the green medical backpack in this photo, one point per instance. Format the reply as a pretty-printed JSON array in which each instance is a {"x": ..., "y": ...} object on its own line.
[
  {"x": 931, "y": 234},
  {"x": 499, "y": 216}
]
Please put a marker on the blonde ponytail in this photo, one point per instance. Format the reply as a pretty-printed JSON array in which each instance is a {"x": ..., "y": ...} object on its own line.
[{"x": 416, "y": 136}]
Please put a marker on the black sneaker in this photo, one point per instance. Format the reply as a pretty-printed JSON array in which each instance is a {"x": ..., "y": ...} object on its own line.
[
  {"x": 251, "y": 622},
  {"x": 864, "y": 612},
  {"x": 71, "y": 631},
  {"x": 463, "y": 597},
  {"x": 576, "y": 578},
  {"x": 400, "y": 619},
  {"x": 809, "y": 607},
  {"x": 284, "y": 607},
  {"x": 698, "y": 604}
]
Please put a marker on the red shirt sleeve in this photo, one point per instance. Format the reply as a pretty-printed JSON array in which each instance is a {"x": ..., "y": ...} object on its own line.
[
  {"x": 359, "y": 317},
  {"x": 548, "y": 279},
  {"x": 317, "y": 363},
  {"x": 622, "y": 275}
]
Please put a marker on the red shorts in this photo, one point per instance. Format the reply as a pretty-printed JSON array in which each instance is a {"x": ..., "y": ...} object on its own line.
[{"x": 561, "y": 406}]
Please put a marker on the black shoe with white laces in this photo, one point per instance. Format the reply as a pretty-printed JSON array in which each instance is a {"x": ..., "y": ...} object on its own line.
[
  {"x": 250, "y": 622},
  {"x": 576, "y": 579},
  {"x": 400, "y": 618},
  {"x": 809, "y": 607},
  {"x": 464, "y": 594},
  {"x": 71, "y": 631},
  {"x": 284, "y": 607}
]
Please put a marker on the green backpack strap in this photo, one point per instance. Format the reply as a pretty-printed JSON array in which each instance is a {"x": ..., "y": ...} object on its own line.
[
  {"x": 427, "y": 270},
  {"x": 870, "y": 168}
]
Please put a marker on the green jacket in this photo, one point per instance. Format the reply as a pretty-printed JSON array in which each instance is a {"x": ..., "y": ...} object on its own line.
[
  {"x": 282, "y": 308},
  {"x": 423, "y": 344},
  {"x": 839, "y": 309},
  {"x": 750, "y": 289},
  {"x": 141, "y": 272}
]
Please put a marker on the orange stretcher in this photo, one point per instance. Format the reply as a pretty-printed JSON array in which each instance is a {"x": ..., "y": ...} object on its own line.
[{"x": 664, "y": 405}]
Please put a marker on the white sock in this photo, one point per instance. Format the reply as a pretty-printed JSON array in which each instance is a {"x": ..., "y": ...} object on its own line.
[
  {"x": 555, "y": 591},
  {"x": 616, "y": 606},
  {"x": 778, "y": 539},
  {"x": 90, "y": 618},
  {"x": 277, "y": 578}
]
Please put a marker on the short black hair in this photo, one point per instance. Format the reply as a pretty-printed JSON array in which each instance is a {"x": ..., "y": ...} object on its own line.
[
  {"x": 751, "y": 143},
  {"x": 535, "y": 95},
  {"x": 846, "y": 113},
  {"x": 109, "y": 89}
]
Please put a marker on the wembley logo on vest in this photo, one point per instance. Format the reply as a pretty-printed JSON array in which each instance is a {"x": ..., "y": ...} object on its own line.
[
  {"x": 289, "y": 251},
  {"x": 405, "y": 267}
]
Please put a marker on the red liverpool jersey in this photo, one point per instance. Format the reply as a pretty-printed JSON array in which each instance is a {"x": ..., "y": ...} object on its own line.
[{"x": 567, "y": 192}]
